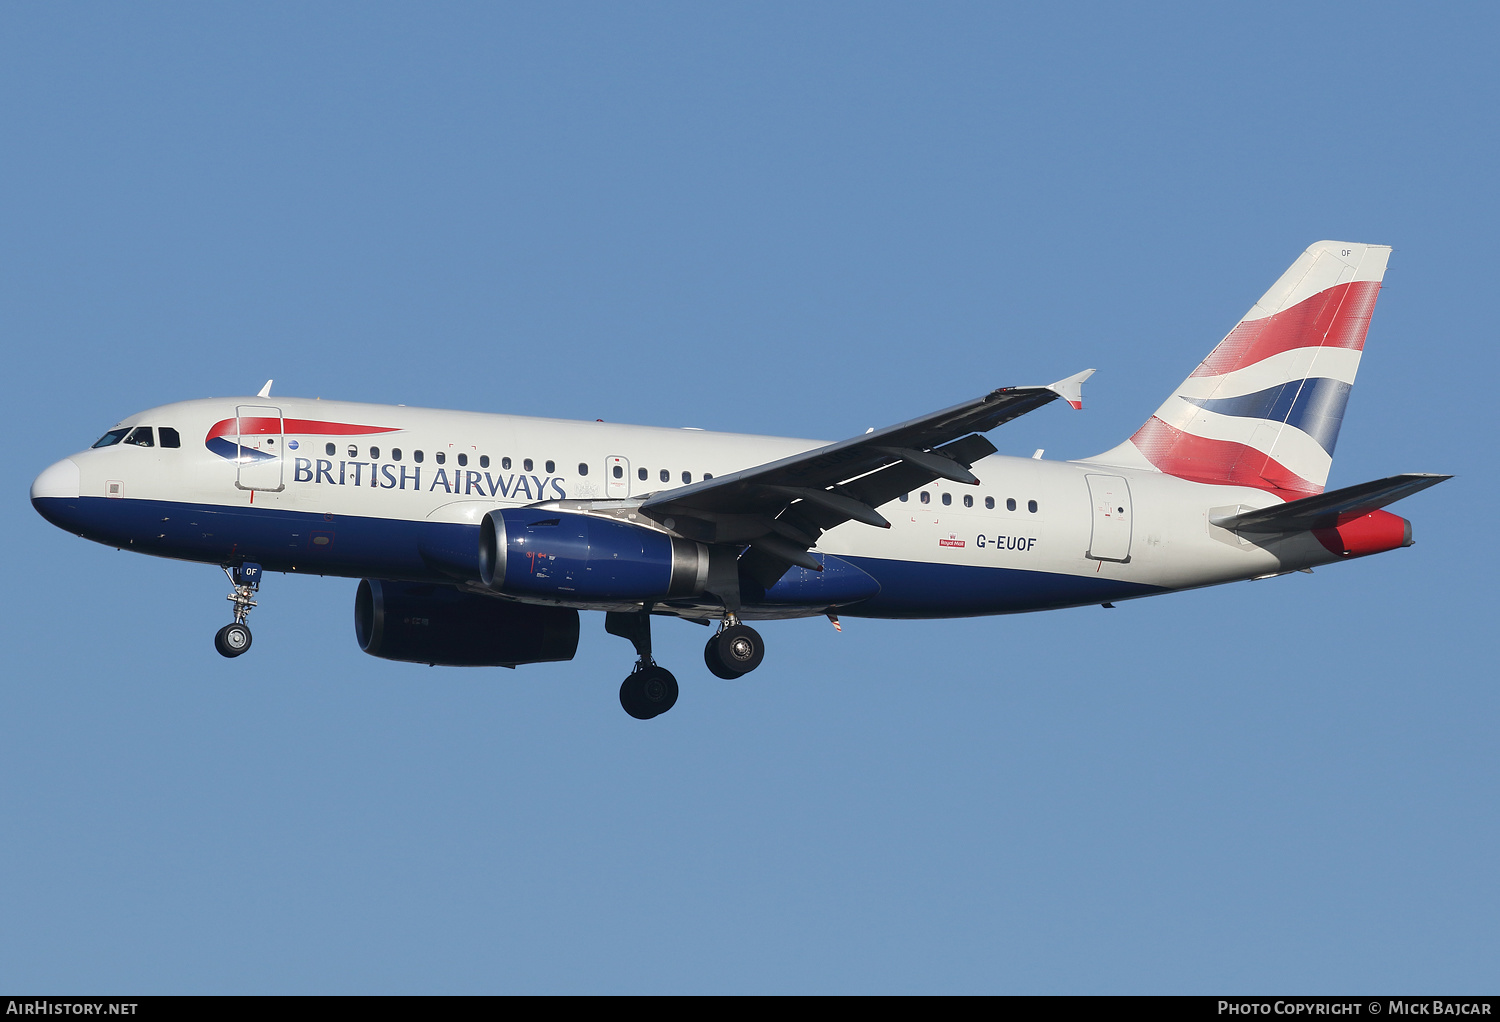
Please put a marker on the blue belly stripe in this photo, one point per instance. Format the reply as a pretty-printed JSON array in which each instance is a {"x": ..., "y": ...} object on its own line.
[
  {"x": 916, "y": 589},
  {"x": 353, "y": 547},
  {"x": 277, "y": 539}
]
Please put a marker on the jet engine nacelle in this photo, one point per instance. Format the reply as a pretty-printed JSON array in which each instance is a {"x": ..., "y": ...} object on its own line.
[
  {"x": 435, "y": 624},
  {"x": 535, "y": 552}
]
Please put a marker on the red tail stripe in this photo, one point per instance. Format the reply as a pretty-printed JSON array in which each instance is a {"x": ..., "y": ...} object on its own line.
[
  {"x": 1217, "y": 461},
  {"x": 1336, "y": 318}
]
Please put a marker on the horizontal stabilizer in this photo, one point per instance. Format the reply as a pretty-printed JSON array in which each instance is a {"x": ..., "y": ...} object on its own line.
[{"x": 1326, "y": 509}]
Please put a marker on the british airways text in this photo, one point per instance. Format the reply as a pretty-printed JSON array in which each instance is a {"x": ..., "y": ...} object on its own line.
[{"x": 514, "y": 486}]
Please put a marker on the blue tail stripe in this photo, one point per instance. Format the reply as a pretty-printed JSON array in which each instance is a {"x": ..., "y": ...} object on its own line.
[{"x": 1315, "y": 406}]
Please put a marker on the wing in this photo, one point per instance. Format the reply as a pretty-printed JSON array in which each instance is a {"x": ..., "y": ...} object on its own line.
[
  {"x": 1325, "y": 509},
  {"x": 780, "y": 509}
]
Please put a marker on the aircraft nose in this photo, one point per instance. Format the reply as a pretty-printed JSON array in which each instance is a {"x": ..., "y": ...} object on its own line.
[{"x": 59, "y": 480}]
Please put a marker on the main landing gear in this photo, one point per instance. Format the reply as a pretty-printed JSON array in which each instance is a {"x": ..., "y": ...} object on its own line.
[
  {"x": 234, "y": 638},
  {"x": 651, "y": 690},
  {"x": 734, "y": 651}
]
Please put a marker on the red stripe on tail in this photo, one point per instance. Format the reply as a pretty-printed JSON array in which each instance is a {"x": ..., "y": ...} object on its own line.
[
  {"x": 1336, "y": 318},
  {"x": 1217, "y": 461}
]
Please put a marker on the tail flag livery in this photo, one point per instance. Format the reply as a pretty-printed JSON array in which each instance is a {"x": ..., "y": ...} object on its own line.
[{"x": 1264, "y": 408}]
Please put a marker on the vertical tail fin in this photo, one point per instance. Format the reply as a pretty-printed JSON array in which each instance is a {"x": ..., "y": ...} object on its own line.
[{"x": 1264, "y": 408}]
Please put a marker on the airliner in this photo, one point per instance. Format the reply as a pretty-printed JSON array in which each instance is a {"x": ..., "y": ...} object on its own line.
[{"x": 477, "y": 538}]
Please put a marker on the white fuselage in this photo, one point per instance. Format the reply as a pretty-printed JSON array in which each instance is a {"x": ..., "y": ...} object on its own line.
[{"x": 1034, "y": 534}]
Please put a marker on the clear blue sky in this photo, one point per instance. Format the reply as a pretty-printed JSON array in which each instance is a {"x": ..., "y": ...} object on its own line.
[{"x": 800, "y": 219}]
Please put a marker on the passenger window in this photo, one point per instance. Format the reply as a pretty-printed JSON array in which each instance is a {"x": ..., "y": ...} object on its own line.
[
  {"x": 374, "y": 453},
  {"x": 440, "y": 456},
  {"x": 989, "y": 502},
  {"x": 484, "y": 461},
  {"x": 330, "y": 450},
  {"x": 687, "y": 477},
  {"x": 926, "y": 498},
  {"x": 707, "y": 476},
  {"x": 583, "y": 468},
  {"x": 526, "y": 464},
  {"x": 968, "y": 500},
  {"x": 666, "y": 476},
  {"x": 902, "y": 498},
  {"x": 619, "y": 472},
  {"x": 1031, "y": 506},
  {"x": 353, "y": 451},
  {"x": 141, "y": 437},
  {"x": 1010, "y": 503},
  {"x": 947, "y": 499},
  {"x": 395, "y": 454},
  {"x": 111, "y": 438},
  {"x": 463, "y": 459},
  {"x": 505, "y": 463},
  {"x": 640, "y": 474},
  {"x": 551, "y": 467},
  {"x": 416, "y": 456},
  {"x": 168, "y": 436}
]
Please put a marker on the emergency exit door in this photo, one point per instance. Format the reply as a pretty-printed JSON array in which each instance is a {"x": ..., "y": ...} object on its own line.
[
  {"x": 616, "y": 477},
  {"x": 1110, "y": 496},
  {"x": 259, "y": 439}
]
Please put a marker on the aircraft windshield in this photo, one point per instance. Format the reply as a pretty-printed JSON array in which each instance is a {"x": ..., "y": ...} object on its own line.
[{"x": 111, "y": 438}]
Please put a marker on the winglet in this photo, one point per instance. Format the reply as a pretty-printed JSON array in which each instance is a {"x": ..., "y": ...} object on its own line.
[
  {"x": 1071, "y": 389},
  {"x": 266, "y": 390}
]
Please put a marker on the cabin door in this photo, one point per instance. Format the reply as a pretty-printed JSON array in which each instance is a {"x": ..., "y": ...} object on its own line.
[
  {"x": 1110, "y": 496},
  {"x": 259, "y": 437}
]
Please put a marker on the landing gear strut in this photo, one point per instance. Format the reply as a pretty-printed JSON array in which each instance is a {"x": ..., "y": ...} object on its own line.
[
  {"x": 735, "y": 651},
  {"x": 650, "y": 690},
  {"x": 234, "y": 638}
]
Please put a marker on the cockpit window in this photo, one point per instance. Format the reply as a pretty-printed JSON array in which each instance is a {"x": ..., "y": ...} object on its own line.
[
  {"x": 111, "y": 438},
  {"x": 168, "y": 436},
  {"x": 141, "y": 437}
]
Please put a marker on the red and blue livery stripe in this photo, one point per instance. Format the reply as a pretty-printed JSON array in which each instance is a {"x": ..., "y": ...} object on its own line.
[{"x": 217, "y": 439}]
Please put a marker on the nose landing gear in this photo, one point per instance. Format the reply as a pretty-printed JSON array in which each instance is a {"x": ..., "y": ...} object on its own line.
[
  {"x": 735, "y": 651},
  {"x": 234, "y": 639}
]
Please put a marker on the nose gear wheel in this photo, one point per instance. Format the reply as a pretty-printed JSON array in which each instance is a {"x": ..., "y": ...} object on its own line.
[{"x": 232, "y": 640}]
